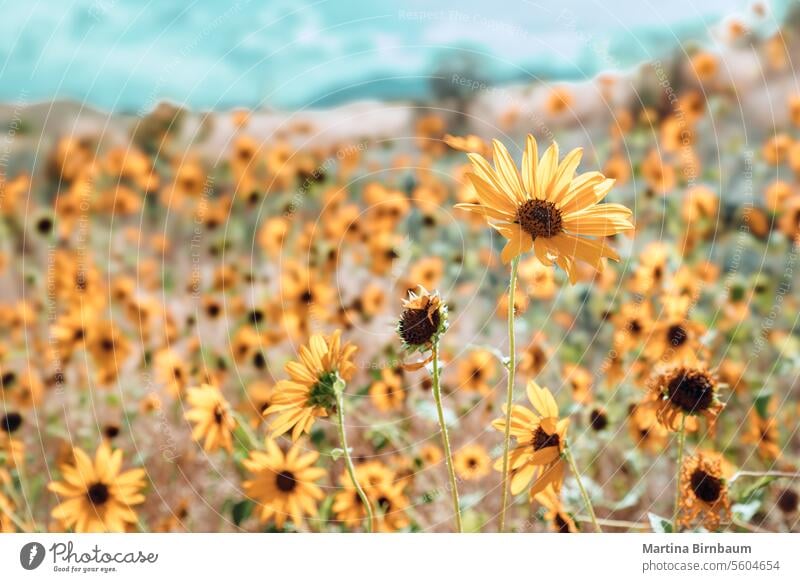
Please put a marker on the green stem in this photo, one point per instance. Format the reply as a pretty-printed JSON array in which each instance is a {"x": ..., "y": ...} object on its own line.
[
  {"x": 775, "y": 474},
  {"x": 242, "y": 429},
  {"x": 351, "y": 470},
  {"x": 448, "y": 455},
  {"x": 681, "y": 445},
  {"x": 586, "y": 500},
  {"x": 510, "y": 388}
]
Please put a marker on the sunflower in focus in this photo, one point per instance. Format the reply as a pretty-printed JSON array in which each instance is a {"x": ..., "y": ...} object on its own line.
[
  {"x": 547, "y": 208},
  {"x": 704, "y": 491},
  {"x": 540, "y": 440},
  {"x": 283, "y": 484},
  {"x": 98, "y": 498},
  {"x": 212, "y": 418},
  {"x": 310, "y": 391},
  {"x": 423, "y": 320},
  {"x": 685, "y": 391}
]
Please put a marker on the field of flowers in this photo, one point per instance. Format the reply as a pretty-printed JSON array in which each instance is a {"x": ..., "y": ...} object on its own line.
[{"x": 535, "y": 316}]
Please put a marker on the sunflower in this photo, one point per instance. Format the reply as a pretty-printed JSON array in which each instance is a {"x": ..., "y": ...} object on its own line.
[
  {"x": 476, "y": 371},
  {"x": 381, "y": 486},
  {"x": 763, "y": 432},
  {"x": 704, "y": 491},
  {"x": 533, "y": 358},
  {"x": 283, "y": 484},
  {"x": 387, "y": 394},
  {"x": 675, "y": 338},
  {"x": 547, "y": 209},
  {"x": 430, "y": 455},
  {"x": 646, "y": 431},
  {"x": 787, "y": 500},
  {"x": 6, "y": 511},
  {"x": 560, "y": 520},
  {"x": 12, "y": 447},
  {"x": 540, "y": 441},
  {"x": 469, "y": 143},
  {"x": 98, "y": 497},
  {"x": 212, "y": 418},
  {"x": 310, "y": 392},
  {"x": 422, "y": 322},
  {"x": 580, "y": 381},
  {"x": 631, "y": 325},
  {"x": 472, "y": 462},
  {"x": 685, "y": 391}
]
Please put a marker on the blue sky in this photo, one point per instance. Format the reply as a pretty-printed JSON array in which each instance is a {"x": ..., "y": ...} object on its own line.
[{"x": 125, "y": 54}]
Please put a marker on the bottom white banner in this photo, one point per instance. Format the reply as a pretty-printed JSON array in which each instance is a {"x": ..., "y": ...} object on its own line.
[{"x": 389, "y": 557}]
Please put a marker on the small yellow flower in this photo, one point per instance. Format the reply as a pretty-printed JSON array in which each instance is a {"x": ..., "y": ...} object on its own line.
[{"x": 98, "y": 497}]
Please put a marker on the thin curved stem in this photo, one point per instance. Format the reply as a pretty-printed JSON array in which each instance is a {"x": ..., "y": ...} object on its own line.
[
  {"x": 584, "y": 494},
  {"x": 775, "y": 474},
  {"x": 681, "y": 446},
  {"x": 448, "y": 454},
  {"x": 615, "y": 523},
  {"x": 351, "y": 470},
  {"x": 512, "y": 364}
]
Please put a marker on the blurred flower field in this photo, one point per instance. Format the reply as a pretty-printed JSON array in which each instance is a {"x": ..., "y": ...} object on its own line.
[{"x": 245, "y": 321}]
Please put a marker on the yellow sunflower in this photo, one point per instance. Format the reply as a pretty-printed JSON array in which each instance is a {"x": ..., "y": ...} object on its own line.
[
  {"x": 310, "y": 392},
  {"x": 283, "y": 484},
  {"x": 560, "y": 520},
  {"x": 385, "y": 492},
  {"x": 212, "y": 418},
  {"x": 98, "y": 497},
  {"x": 540, "y": 441},
  {"x": 472, "y": 463},
  {"x": 547, "y": 208}
]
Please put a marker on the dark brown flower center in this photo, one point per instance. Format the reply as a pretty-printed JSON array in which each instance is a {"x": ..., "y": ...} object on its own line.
[
  {"x": 219, "y": 414},
  {"x": 98, "y": 493},
  {"x": 691, "y": 391},
  {"x": 539, "y": 218},
  {"x": 285, "y": 481},
  {"x": 542, "y": 440},
  {"x": 788, "y": 500},
  {"x": 11, "y": 422},
  {"x": 706, "y": 487},
  {"x": 634, "y": 327},
  {"x": 598, "y": 419},
  {"x": 562, "y": 526},
  {"x": 418, "y": 326},
  {"x": 676, "y": 335}
]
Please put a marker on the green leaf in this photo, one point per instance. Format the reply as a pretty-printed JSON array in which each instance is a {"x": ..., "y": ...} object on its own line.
[
  {"x": 659, "y": 524},
  {"x": 241, "y": 511},
  {"x": 761, "y": 403},
  {"x": 755, "y": 490},
  {"x": 338, "y": 453}
]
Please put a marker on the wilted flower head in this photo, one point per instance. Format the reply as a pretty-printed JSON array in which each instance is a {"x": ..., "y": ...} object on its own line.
[{"x": 423, "y": 321}]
